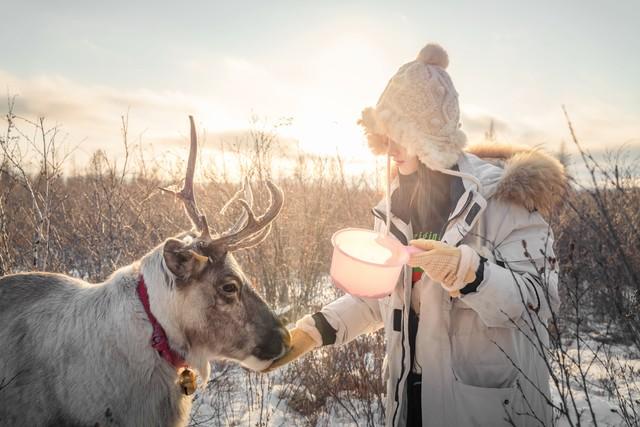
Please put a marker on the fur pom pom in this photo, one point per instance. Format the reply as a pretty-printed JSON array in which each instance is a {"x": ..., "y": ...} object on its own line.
[{"x": 434, "y": 54}]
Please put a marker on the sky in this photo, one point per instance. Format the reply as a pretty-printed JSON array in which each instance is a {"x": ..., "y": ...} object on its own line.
[{"x": 84, "y": 64}]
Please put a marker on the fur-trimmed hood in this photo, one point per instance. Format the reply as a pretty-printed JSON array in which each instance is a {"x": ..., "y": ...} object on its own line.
[{"x": 527, "y": 176}]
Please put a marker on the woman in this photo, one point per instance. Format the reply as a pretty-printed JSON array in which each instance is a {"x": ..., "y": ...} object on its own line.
[{"x": 465, "y": 329}]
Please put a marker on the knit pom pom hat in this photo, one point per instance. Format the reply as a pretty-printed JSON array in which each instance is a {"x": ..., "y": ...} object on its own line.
[{"x": 419, "y": 110}]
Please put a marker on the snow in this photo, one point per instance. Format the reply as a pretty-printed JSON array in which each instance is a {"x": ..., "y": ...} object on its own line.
[
  {"x": 605, "y": 411},
  {"x": 602, "y": 366},
  {"x": 237, "y": 397}
]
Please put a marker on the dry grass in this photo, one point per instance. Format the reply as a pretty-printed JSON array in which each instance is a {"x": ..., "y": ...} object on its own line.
[{"x": 108, "y": 215}]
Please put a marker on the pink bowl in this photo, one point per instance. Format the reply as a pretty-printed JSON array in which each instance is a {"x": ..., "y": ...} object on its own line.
[{"x": 366, "y": 263}]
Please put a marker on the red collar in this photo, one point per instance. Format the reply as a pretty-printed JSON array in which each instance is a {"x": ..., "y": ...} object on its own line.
[{"x": 159, "y": 339}]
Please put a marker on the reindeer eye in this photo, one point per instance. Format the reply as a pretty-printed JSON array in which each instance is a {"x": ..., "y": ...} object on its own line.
[{"x": 230, "y": 288}]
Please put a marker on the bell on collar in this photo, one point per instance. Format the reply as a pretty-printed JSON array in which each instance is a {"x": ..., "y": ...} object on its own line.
[{"x": 187, "y": 381}]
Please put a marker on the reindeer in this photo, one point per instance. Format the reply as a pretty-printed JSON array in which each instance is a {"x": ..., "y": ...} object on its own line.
[{"x": 123, "y": 352}]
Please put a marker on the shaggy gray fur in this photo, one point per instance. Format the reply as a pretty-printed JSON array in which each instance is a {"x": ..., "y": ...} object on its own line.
[{"x": 77, "y": 354}]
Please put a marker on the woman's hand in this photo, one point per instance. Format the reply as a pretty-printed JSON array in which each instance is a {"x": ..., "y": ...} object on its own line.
[
  {"x": 303, "y": 340},
  {"x": 453, "y": 267}
]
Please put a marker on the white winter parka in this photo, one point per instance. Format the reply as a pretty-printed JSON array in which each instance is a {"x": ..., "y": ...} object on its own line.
[{"x": 479, "y": 354}]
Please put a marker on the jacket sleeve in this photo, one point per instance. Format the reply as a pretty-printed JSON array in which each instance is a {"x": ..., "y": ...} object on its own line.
[
  {"x": 524, "y": 275},
  {"x": 352, "y": 316}
]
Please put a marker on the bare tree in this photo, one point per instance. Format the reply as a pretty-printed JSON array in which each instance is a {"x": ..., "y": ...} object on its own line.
[{"x": 36, "y": 163}]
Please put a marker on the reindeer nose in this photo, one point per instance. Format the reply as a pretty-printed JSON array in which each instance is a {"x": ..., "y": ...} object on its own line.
[
  {"x": 285, "y": 340},
  {"x": 276, "y": 344}
]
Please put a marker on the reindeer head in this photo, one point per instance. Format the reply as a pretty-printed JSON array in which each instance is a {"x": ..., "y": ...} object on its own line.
[{"x": 218, "y": 312}]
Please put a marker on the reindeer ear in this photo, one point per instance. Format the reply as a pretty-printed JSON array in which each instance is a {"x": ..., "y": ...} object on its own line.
[{"x": 183, "y": 261}]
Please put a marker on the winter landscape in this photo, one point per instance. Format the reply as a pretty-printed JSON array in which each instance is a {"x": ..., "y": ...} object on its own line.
[
  {"x": 85, "y": 149},
  {"x": 111, "y": 213}
]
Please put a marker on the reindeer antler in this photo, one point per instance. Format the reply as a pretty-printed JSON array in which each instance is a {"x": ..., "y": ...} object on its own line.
[
  {"x": 186, "y": 194},
  {"x": 248, "y": 230},
  {"x": 248, "y": 197},
  {"x": 254, "y": 230}
]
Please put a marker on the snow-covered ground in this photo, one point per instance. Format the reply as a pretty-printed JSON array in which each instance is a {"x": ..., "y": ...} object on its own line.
[
  {"x": 612, "y": 380},
  {"x": 236, "y": 397},
  {"x": 605, "y": 411}
]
